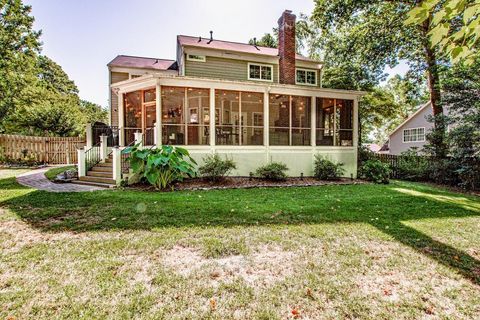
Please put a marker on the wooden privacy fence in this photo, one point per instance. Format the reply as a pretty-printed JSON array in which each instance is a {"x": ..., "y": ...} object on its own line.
[
  {"x": 390, "y": 159},
  {"x": 394, "y": 161},
  {"x": 51, "y": 150}
]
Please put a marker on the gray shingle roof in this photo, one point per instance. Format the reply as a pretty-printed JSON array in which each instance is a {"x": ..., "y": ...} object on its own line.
[{"x": 143, "y": 63}]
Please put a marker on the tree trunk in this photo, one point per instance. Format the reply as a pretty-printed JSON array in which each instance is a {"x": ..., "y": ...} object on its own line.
[
  {"x": 432, "y": 71},
  {"x": 433, "y": 78}
]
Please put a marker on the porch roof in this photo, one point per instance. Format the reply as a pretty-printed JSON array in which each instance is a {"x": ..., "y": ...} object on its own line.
[{"x": 150, "y": 80}]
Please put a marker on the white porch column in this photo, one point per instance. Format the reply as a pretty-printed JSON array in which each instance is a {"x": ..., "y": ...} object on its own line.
[
  {"x": 355, "y": 123},
  {"x": 117, "y": 165},
  {"x": 138, "y": 138},
  {"x": 121, "y": 117},
  {"x": 155, "y": 132},
  {"x": 313, "y": 113},
  {"x": 158, "y": 118},
  {"x": 212, "y": 117},
  {"x": 89, "y": 135},
  {"x": 355, "y": 135},
  {"x": 266, "y": 131},
  {"x": 103, "y": 148},
  {"x": 81, "y": 162}
]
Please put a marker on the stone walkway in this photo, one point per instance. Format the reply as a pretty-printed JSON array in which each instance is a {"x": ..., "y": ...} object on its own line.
[{"x": 36, "y": 179}]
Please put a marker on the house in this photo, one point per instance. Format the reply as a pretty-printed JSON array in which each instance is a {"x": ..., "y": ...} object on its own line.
[
  {"x": 373, "y": 147},
  {"x": 411, "y": 132},
  {"x": 253, "y": 104}
]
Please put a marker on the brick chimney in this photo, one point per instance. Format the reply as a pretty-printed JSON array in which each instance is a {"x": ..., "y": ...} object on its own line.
[{"x": 286, "y": 47}]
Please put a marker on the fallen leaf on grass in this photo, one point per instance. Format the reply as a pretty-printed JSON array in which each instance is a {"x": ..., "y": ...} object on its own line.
[
  {"x": 213, "y": 305},
  {"x": 309, "y": 293},
  {"x": 429, "y": 310},
  {"x": 296, "y": 314}
]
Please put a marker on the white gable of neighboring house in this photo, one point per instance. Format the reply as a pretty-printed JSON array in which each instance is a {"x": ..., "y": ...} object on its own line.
[{"x": 412, "y": 132}]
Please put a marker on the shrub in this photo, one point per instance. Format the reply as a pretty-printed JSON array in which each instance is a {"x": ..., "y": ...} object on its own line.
[
  {"x": 215, "y": 169},
  {"x": 443, "y": 171},
  {"x": 325, "y": 169},
  {"x": 161, "y": 166},
  {"x": 376, "y": 171},
  {"x": 275, "y": 171},
  {"x": 412, "y": 166}
]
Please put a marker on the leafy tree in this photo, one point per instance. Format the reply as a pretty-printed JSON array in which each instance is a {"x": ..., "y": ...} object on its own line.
[
  {"x": 461, "y": 87},
  {"x": 19, "y": 45},
  {"x": 370, "y": 35},
  {"x": 50, "y": 105},
  {"x": 385, "y": 107},
  {"x": 93, "y": 112},
  {"x": 45, "y": 113},
  {"x": 266, "y": 41},
  {"x": 36, "y": 95},
  {"x": 408, "y": 93},
  {"x": 377, "y": 108},
  {"x": 53, "y": 76},
  {"x": 454, "y": 24},
  {"x": 302, "y": 30}
]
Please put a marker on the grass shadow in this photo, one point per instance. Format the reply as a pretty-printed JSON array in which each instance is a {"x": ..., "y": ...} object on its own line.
[
  {"x": 462, "y": 262},
  {"x": 379, "y": 205}
]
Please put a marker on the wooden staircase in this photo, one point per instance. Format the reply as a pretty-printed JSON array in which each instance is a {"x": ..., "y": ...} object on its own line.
[{"x": 101, "y": 175}]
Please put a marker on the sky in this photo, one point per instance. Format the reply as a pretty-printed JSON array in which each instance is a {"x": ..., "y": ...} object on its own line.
[{"x": 84, "y": 36}]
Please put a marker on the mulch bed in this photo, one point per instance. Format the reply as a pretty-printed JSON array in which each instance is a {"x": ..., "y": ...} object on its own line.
[{"x": 246, "y": 182}]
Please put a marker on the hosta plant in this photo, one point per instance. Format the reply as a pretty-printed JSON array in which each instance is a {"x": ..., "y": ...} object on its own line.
[{"x": 161, "y": 167}]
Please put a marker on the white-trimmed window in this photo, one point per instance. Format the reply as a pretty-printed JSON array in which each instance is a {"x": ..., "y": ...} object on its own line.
[
  {"x": 414, "y": 135},
  {"x": 196, "y": 57},
  {"x": 260, "y": 72},
  {"x": 306, "y": 76}
]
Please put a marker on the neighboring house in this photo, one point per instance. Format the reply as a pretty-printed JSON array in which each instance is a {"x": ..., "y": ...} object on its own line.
[
  {"x": 253, "y": 104},
  {"x": 412, "y": 132},
  {"x": 373, "y": 147}
]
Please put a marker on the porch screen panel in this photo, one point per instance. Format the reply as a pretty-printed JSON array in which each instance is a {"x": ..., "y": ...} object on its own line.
[
  {"x": 198, "y": 116},
  {"x": 132, "y": 115},
  {"x": 252, "y": 118},
  {"x": 149, "y": 95},
  {"x": 150, "y": 110},
  {"x": 334, "y": 122},
  {"x": 173, "y": 120},
  {"x": 279, "y": 120},
  {"x": 227, "y": 106},
  {"x": 344, "y": 123},
  {"x": 325, "y": 121},
  {"x": 301, "y": 124}
]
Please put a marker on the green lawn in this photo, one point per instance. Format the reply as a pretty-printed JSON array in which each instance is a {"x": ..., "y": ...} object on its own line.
[{"x": 402, "y": 250}]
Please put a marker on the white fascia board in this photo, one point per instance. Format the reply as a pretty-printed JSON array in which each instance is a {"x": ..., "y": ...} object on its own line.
[{"x": 197, "y": 82}]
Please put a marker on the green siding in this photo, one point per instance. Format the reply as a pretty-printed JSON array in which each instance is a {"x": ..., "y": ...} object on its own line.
[
  {"x": 222, "y": 68},
  {"x": 115, "y": 77}
]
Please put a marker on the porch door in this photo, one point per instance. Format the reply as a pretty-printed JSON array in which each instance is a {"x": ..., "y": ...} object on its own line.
[{"x": 150, "y": 112}]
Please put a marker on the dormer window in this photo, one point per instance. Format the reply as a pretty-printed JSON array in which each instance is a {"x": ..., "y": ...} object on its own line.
[
  {"x": 305, "y": 76},
  {"x": 196, "y": 57},
  {"x": 260, "y": 72}
]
